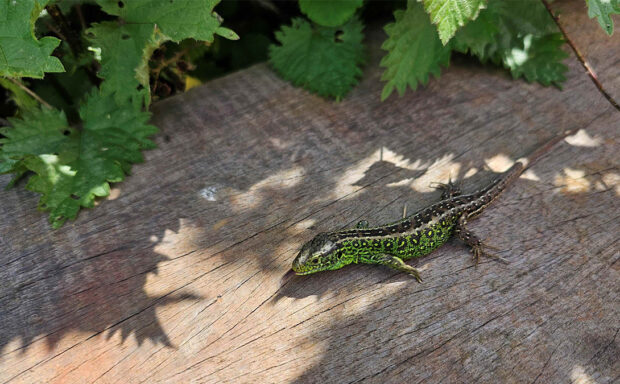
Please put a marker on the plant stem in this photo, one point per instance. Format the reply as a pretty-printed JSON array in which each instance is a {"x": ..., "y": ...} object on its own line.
[
  {"x": 72, "y": 38},
  {"x": 581, "y": 58},
  {"x": 30, "y": 92}
]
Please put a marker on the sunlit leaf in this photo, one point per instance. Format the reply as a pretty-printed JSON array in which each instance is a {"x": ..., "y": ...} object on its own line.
[
  {"x": 450, "y": 15},
  {"x": 71, "y": 167}
]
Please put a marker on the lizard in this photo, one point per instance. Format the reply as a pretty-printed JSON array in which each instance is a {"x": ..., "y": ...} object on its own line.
[{"x": 416, "y": 235}]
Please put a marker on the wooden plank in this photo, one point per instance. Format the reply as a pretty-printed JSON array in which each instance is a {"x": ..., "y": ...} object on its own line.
[
  {"x": 599, "y": 50},
  {"x": 182, "y": 275}
]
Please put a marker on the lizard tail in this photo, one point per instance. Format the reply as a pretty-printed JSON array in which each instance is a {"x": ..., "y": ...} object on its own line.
[
  {"x": 524, "y": 163},
  {"x": 539, "y": 152}
]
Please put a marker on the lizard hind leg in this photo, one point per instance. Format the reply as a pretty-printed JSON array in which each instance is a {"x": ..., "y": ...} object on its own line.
[
  {"x": 398, "y": 264},
  {"x": 449, "y": 189},
  {"x": 477, "y": 246}
]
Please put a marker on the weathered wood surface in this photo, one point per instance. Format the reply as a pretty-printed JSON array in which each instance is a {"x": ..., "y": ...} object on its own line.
[
  {"x": 182, "y": 276},
  {"x": 588, "y": 37}
]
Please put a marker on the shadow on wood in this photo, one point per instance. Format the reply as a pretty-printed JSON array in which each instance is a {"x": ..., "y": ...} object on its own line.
[{"x": 182, "y": 277}]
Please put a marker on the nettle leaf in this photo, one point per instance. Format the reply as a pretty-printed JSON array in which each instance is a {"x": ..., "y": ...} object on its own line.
[
  {"x": 527, "y": 30},
  {"x": 321, "y": 59},
  {"x": 124, "y": 47},
  {"x": 602, "y": 9},
  {"x": 520, "y": 35},
  {"x": 329, "y": 13},
  {"x": 71, "y": 167},
  {"x": 124, "y": 54},
  {"x": 37, "y": 132},
  {"x": 414, "y": 50},
  {"x": 540, "y": 59},
  {"x": 450, "y": 15},
  {"x": 477, "y": 36},
  {"x": 181, "y": 19},
  {"x": 21, "y": 54}
]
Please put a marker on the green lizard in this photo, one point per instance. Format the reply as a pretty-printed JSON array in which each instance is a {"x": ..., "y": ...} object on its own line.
[{"x": 413, "y": 236}]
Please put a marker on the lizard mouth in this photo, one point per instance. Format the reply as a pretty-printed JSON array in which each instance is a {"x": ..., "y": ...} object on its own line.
[{"x": 301, "y": 270}]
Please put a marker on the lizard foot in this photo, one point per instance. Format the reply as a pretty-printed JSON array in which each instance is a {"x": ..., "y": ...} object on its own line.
[
  {"x": 398, "y": 264},
  {"x": 449, "y": 189},
  {"x": 412, "y": 272},
  {"x": 479, "y": 250}
]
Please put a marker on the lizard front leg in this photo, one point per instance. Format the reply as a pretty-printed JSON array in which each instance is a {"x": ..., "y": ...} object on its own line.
[
  {"x": 448, "y": 190},
  {"x": 477, "y": 246},
  {"x": 398, "y": 264}
]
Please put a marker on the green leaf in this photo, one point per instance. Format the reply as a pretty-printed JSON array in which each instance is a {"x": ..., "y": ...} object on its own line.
[
  {"x": 321, "y": 59},
  {"x": 414, "y": 50},
  {"x": 71, "y": 167},
  {"x": 226, "y": 33},
  {"x": 329, "y": 13},
  {"x": 449, "y": 15},
  {"x": 124, "y": 48},
  {"x": 125, "y": 51},
  {"x": 180, "y": 19},
  {"x": 476, "y": 36},
  {"x": 21, "y": 54},
  {"x": 37, "y": 132},
  {"x": 520, "y": 35},
  {"x": 602, "y": 9},
  {"x": 64, "y": 91},
  {"x": 540, "y": 59}
]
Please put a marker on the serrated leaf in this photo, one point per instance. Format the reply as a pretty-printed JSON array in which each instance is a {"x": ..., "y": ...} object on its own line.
[
  {"x": 476, "y": 36},
  {"x": 602, "y": 10},
  {"x": 329, "y": 13},
  {"x": 125, "y": 51},
  {"x": 180, "y": 19},
  {"x": 450, "y": 15},
  {"x": 21, "y": 54},
  {"x": 523, "y": 17},
  {"x": 125, "y": 48},
  {"x": 540, "y": 59},
  {"x": 71, "y": 167},
  {"x": 414, "y": 50},
  {"x": 321, "y": 59},
  {"x": 65, "y": 91},
  {"x": 37, "y": 132},
  {"x": 520, "y": 35}
]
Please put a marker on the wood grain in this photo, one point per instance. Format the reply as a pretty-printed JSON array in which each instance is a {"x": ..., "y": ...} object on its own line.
[
  {"x": 182, "y": 275},
  {"x": 599, "y": 50}
]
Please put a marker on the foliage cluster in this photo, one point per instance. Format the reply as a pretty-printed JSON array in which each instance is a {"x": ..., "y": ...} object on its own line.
[{"x": 81, "y": 74}]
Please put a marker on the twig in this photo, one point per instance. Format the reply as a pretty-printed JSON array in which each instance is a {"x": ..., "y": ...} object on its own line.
[
  {"x": 28, "y": 91},
  {"x": 582, "y": 60},
  {"x": 55, "y": 30},
  {"x": 78, "y": 9},
  {"x": 72, "y": 37}
]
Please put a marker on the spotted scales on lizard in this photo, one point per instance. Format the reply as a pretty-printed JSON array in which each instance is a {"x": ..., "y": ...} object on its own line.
[{"x": 413, "y": 236}]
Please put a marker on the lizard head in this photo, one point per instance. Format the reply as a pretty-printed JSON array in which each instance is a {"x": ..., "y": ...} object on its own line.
[{"x": 319, "y": 254}]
